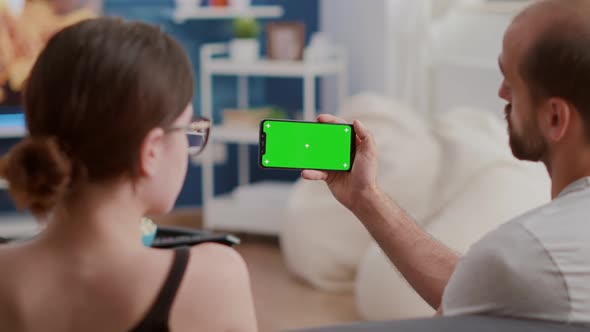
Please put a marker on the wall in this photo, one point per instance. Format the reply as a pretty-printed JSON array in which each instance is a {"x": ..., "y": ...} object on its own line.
[
  {"x": 389, "y": 48},
  {"x": 359, "y": 27},
  {"x": 374, "y": 33}
]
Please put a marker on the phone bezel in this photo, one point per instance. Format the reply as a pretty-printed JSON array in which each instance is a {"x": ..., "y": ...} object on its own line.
[{"x": 262, "y": 146}]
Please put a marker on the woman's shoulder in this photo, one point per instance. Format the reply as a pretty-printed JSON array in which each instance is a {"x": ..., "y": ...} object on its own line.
[
  {"x": 222, "y": 256},
  {"x": 18, "y": 261},
  {"x": 11, "y": 260},
  {"x": 216, "y": 266},
  {"x": 11, "y": 257},
  {"x": 216, "y": 280}
]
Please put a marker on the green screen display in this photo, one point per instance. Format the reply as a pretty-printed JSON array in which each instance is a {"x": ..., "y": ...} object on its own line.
[{"x": 306, "y": 145}]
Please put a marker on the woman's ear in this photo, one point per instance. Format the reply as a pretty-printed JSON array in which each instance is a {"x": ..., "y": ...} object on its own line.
[
  {"x": 556, "y": 119},
  {"x": 151, "y": 151}
]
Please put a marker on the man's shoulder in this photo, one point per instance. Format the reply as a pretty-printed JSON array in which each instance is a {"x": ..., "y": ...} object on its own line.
[
  {"x": 526, "y": 261},
  {"x": 506, "y": 240},
  {"x": 537, "y": 235},
  {"x": 512, "y": 242},
  {"x": 543, "y": 216},
  {"x": 563, "y": 218},
  {"x": 515, "y": 230},
  {"x": 532, "y": 216}
]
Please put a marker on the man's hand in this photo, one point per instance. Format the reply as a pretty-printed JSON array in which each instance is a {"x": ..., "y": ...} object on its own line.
[{"x": 348, "y": 186}]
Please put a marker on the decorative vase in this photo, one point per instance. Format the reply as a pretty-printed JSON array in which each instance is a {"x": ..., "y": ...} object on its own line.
[
  {"x": 244, "y": 50},
  {"x": 219, "y": 3}
]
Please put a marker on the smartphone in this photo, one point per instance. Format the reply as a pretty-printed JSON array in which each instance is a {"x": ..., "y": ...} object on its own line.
[{"x": 286, "y": 144}]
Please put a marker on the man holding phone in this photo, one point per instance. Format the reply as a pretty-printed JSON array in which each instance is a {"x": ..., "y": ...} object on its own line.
[{"x": 536, "y": 265}]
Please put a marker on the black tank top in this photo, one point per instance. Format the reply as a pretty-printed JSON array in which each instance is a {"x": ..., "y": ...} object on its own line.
[{"x": 157, "y": 317}]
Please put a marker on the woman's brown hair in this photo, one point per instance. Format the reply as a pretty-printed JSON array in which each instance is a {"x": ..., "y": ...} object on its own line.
[{"x": 93, "y": 94}]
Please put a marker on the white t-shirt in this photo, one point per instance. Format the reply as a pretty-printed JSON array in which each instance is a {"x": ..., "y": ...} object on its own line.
[{"x": 536, "y": 266}]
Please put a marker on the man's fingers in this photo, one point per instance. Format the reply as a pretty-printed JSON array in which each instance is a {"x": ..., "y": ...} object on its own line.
[
  {"x": 328, "y": 118},
  {"x": 367, "y": 142},
  {"x": 361, "y": 131},
  {"x": 314, "y": 175}
]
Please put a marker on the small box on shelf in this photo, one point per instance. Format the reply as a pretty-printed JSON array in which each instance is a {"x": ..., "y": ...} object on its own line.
[
  {"x": 194, "y": 10},
  {"x": 250, "y": 118}
]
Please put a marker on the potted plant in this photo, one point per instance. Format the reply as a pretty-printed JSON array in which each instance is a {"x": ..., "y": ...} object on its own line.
[{"x": 245, "y": 46}]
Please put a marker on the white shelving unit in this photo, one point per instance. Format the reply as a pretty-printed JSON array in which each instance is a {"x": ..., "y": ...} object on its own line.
[
  {"x": 18, "y": 225},
  {"x": 259, "y": 207},
  {"x": 15, "y": 225},
  {"x": 7, "y": 131},
  {"x": 209, "y": 13}
]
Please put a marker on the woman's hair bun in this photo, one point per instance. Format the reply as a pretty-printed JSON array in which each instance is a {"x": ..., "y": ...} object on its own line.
[{"x": 38, "y": 173}]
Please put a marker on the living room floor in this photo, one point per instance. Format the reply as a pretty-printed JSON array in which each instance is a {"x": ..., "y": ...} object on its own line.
[{"x": 284, "y": 302}]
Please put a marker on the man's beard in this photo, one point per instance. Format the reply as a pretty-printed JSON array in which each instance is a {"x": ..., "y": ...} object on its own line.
[{"x": 531, "y": 148}]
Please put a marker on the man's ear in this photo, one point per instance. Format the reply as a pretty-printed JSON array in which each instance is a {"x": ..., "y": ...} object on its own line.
[
  {"x": 150, "y": 152},
  {"x": 556, "y": 119}
]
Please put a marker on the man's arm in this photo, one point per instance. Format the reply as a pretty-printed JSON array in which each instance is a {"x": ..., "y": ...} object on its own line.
[{"x": 425, "y": 263}]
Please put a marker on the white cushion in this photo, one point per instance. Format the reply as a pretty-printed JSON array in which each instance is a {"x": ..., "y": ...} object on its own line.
[{"x": 381, "y": 292}]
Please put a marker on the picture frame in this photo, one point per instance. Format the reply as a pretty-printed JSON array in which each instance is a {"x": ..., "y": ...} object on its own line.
[
  {"x": 285, "y": 41},
  {"x": 25, "y": 27}
]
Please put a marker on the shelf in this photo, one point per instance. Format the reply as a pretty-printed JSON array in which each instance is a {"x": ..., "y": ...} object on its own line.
[
  {"x": 257, "y": 208},
  {"x": 265, "y": 67},
  {"x": 12, "y": 131},
  {"x": 234, "y": 135},
  {"x": 13, "y": 225},
  {"x": 210, "y": 13}
]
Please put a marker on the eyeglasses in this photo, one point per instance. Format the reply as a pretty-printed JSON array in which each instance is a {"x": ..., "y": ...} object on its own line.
[{"x": 197, "y": 133}]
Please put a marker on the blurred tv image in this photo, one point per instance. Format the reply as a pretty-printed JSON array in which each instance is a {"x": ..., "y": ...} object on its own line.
[{"x": 25, "y": 27}]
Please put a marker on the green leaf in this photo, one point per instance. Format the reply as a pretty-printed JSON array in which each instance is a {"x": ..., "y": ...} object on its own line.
[{"x": 246, "y": 28}]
